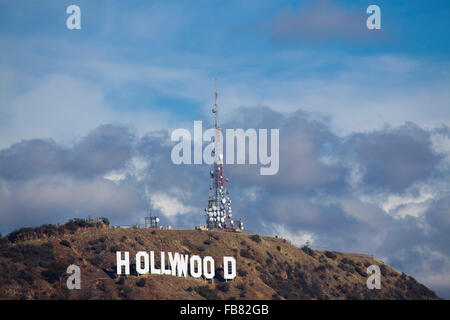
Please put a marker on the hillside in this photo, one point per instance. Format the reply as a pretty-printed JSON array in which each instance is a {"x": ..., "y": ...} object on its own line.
[{"x": 33, "y": 262}]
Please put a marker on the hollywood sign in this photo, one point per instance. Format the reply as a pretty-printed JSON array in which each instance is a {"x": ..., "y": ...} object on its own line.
[{"x": 175, "y": 265}]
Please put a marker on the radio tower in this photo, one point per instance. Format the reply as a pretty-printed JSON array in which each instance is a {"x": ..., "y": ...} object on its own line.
[{"x": 219, "y": 213}]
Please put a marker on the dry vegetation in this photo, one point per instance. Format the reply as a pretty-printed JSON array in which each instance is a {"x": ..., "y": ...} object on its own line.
[{"x": 33, "y": 263}]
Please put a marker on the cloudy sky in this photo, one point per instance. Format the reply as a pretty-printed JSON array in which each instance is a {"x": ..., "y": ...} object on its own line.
[{"x": 86, "y": 117}]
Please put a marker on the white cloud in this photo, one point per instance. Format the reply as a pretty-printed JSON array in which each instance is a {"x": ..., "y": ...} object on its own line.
[
  {"x": 414, "y": 202},
  {"x": 408, "y": 204},
  {"x": 298, "y": 238},
  {"x": 171, "y": 206},
  {"x": 136, "y": 168}
]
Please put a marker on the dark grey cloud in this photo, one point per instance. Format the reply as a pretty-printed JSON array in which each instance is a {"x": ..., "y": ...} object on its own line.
[
  {"x": 30, "y": 158},
  {"x": 42, "y": 181},
  {"x": 393, "y": 159},
  {"x": 304, "y": 143},
  {"x": 106, "y": 148}
]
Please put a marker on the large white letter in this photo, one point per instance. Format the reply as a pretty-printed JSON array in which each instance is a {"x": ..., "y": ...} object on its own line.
[
  {"x": 183, "y": 265},
  {"x": 153, "y": 269},
  {"x": 139, "y": 256},
  {"x": 274, "y": 159},
  {"x": 229, "y": 268},
  {"x": 195, "y": 265},
  {"x": 74, "y": 20},
  {"x": 184, "y": 146},
  {"x": 178, "y": 264},
  {"x": 163, "y": 265},
  {"x": 209, "y": 274},
  {"x": 374, "y": 281},
  {"x": 173, "y": 260},
  {"x": 374, "y": 21},
  {"x": 123, "y": 263}
]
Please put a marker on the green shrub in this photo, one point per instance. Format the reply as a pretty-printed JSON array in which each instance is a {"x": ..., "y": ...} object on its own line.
[
  {"x": 308, "y": 251},
  {"x": 98, "y": 247},
  {"x": 241, "y": 287},
  {"x": 139, "y": 240},
  {"x": 320, "y": 268},
  {"x": 96, "y": 261},
  {"x": 141, "y": 282},
  {"x": 224, "y": 287},
  {"x": 49, "y": 230},
  {"x": 127, "y": 292},
  {"x": 255, "y": 238},
  {"x": 207, "y": 293},
  {"x": 26, "y": 276},
  {"x": 242, "y": 273},
  {"x": 383, "y": 270},
  {"x": 31, "y": 255},
  {"x": 246, "y": 254},
  {"x": 361, "y": 272},
  {"x": 330, "y": 255},
  {"x": 348, "y": 261},
  {"x": 65, "y": 243},
  {"x": 54, "y": 272},
  {"x": 50, "y": 276}
]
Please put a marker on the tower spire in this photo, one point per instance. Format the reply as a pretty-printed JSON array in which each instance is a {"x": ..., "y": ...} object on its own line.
[
  {"x": 219, "y": 213},
  {"x": 218, "y": 149},
  {"x": 216, "y": 106}
]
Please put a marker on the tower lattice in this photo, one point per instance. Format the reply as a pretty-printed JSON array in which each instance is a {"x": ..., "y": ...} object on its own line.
[{"x": 219, "y": 213}]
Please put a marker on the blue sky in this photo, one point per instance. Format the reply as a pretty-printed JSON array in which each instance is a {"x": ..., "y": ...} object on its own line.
[
  {"x": 160, "y": 58},
  {"x": 363, "y": 118}
]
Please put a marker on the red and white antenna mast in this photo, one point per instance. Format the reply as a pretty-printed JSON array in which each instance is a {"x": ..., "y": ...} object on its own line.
[{"x": 219, "y": 213}]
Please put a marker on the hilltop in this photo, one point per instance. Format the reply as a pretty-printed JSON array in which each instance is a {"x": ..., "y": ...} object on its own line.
[{"x": 34, "y": 261}]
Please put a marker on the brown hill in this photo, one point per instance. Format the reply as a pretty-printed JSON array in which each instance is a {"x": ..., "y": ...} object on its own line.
[{"x": 33, "y": 263}]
